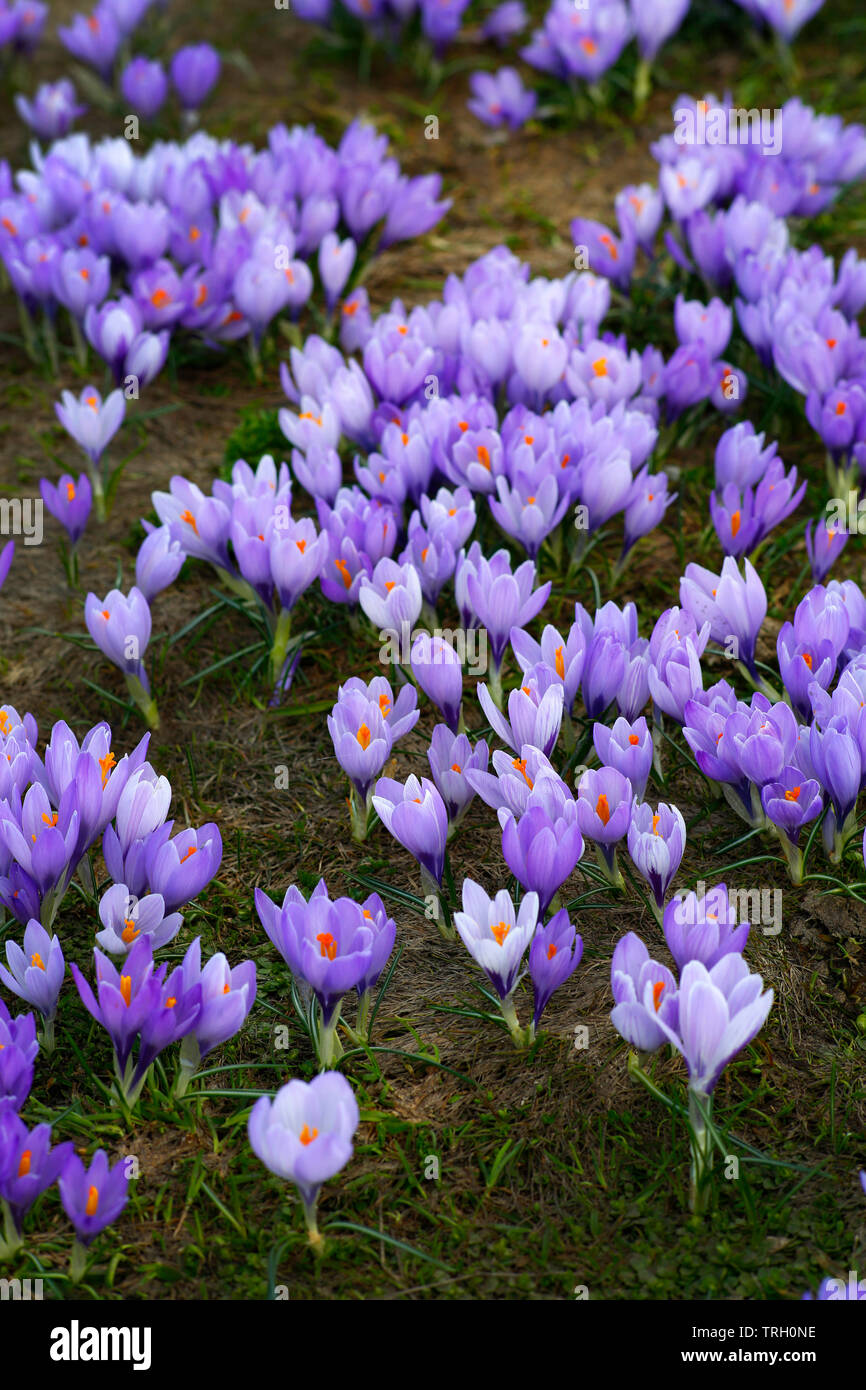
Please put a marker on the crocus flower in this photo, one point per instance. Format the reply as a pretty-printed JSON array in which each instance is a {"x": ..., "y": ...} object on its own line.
[
  {"x": 362, "y": 740},
  {"x": 124, "y": 999},
  {"x": 92, "y": 1198},
  {"x": 181, "y": 867},
  {"x": 384, "y": 930},
  {"x": 500, "y": 600},
  {"x": 554, "y": 954},
  {"x": 144, "y": 86},
  {"x": 327, "y": 944},
  {"x": 125, "y": 917},
  {"x": 36, "y": 973},
  {"x": 656, "y": 841},
  {"x": 733, "y": 604},
  {"x": 438, "y": 670},
  {"x": 92, "y": 423},
  {"x": 533, "y": 717},
  {"x": 543, "y": 847},
  {"x": 644, "y": 993},
  {"x": 158, "y": 563},
  {"x": 452, "y": 757},
  {"x": 194, "y": 73},
  {"x": 94, "y": 38},
  {"x": 120, "y": 626},
  {"x": 604, "y": 809},
  {"x": 500, "y": 98},
  {"x": 391, "y": 597},
  {"x": 227, "y": 996},
  {"x": 496, "y": 936},
  {"x": 824, "y": 544},
  {"x": 415, "y": 815},
  {"x": 69, "y": 503},
  {"x": 18, "y": 1049},
  {"x": 28, "y": 1166},
  {"x": 790, "y": 803},
  {"x": 628, "y": 747},
  {"x": 655, "y": 21},
  {"x": 703, "y": 929},
  {"x": 720, "y": 1011},
  {"x": 305, "y": 1135},
  {"x": 53, "y": 110}
]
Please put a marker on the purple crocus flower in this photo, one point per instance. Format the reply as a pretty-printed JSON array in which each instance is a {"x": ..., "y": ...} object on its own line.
[
  {"x": 703, "y": 928},
  {"x": 391, "y": 596},
  {"x": 28, "y": 1165},
  {"x": 125, "y": 917},
  {"x": 824, "y": 544},
  {"x": 53, "y": 110},
  {"x": 195, "y": 71},
  {"x": 362, "y": 740},
  {"x": 534, "y": 716},
  {"x": 438, "y": 670},
  {"x": 644, "y": 993},
  {"x": 720, "y": 1011},
  {"x": 95, "y": 1196},
  {"x": 735, "y": 605},
  {"x": 542, "y": 849},
  {"x": 628, "y": 748},
  {"x": 305, "y": 1135},
  {"x": 144, "y": 86},
  {"x": 505, "y": 21},
  {"x": 495, "y": 935},
  {"x": 94, "y": 38},
  {"x": 675, "y": 675},
  {"x": 120, "y": 625},
  {"x": 500, "y": 600},
  {"x": 111, "y": 330},
  {"x": 562, "y": 657},
  {"x": 181, "y": 867},
  {"x": 500, "y": 98},
  {"x": 790, "y": 803},
  {"x": 529, "y": 510},
  {"x": 656, "y": 841},
  {"x": 327, "y": 944},
  {"x": 608, "y": 255},
  {"x": 452, "y": 757},
  {"x": 18, "y": 1050},
  {"x": 69, "y": 503},
  {"x": 158, "y": 563},
  {"x": 415, "y": 815},
  {"x": 123, "y": 998},
  {"x": 604, "y": 809},
  {"x": 384, "y": 930},
  {"x": 710, "y": 324},
  {"x": 227, "y": 996},
  {"x": 36, "y": 973},
  {"x": 90, "y": 421},
  {"x": 655, "y": 21},
  {"x": 554, "y": 954}
]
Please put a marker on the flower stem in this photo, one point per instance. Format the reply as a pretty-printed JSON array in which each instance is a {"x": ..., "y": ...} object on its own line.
[
  {"x": 700, "y": 1110},
  {"x": 519, "y": 1036},
  {"x": 280, "y": 646},
  {"x": 78, "y": 1263},
  {"x": 317, "y": 1243},
  {"x": 329, "y": 1047}
]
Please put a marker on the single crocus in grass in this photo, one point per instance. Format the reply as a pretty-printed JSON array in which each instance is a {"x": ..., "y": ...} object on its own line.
[
  {"x": 92, "y": 1198},
  {"x": 656, "y": 841},
  {"x": 120, "y": 626},
  {"x": 735, "y": 606},
  {"x": 496, "y": 935},
  {"x": 93, "y": 423},
  {"x": 604, "y": 808},
  {"x": 554, "y": 954},
  {"x": 159, "y": 561},
  {"x": 35, "y": 974},
  {"x": 362, "y": 742},
  {"x": 415, "y": 815},
  {"x": 305, "y": 1136},
  {"x": 28, "y": 1166},
  {"x": 328, "y": 945},
  {"x": 69, "y": 503}
]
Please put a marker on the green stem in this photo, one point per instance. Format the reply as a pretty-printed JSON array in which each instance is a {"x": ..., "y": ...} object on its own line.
[
  {"x": 78, "y": 1263},
  {"x": 700, "y": 1111},
  {"x": 519, "y": 1036},
  {"x": 282, "y": 633}
]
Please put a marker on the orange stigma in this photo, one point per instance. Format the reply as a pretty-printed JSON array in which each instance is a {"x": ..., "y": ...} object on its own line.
[
  {"x": 92, "y": 1202},
  {"x": 307, "y": 1135},
  {"x": 602, "y": 809},
  {"x": 500, "y": 931},
  {"x": 327, "y": 945}
]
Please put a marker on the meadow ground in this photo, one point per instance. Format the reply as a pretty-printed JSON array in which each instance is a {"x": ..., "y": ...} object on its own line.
[{"x": 556, "y": 1171}]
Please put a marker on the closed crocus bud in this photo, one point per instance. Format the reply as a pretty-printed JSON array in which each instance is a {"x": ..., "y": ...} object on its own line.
[
  {"x": 53, "y": 110},
  {"x": 336, "y": 259},
  {"x": 90, "y": 421},
  {"x": 69, "y": 503},
  {"x": 438, "y": 670},
  {"x": 144, "y": 86},
  {"x": 392, "y": 598},
  {"x": 305, "y": 1135},
  {"x": 194, "y": 73},
  {"x": 824, "y": 543},
  {"x": 227, "y": 996},
  {"x": 496, "y": 936},
  {"x": 120, "y": 625},
  {"x": 608, "y": 255},
  {"x": 158, "y": 563}
]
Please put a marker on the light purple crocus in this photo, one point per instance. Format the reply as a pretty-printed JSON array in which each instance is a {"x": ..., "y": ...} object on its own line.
[
  {"x": 604, "y": 809},
  {"x": 28, "y": 1167},
  {"x": 438, "y": 670},
  {"x": 305, "y": 1136},
  {"x": 452, "y": 757},
  {"x": 496, "y": 936},
  {"x": 69, "y": 503},
  {"x": 181, "y": 867},
  {"x": 735, "y": 605},
  {"x": 158, "y": 563},
  {"x": 92, "y": 1197},
  {"x": 18, "y": 1051},
  {"x": 53, "y": 110},
  {"x": 195, "y": 70},
  {"x": 227, "y": 996},
  {"x": 36, "y": 973},
  {"x": 415, "y": 815},
  {"x": 824, "y": 544},
  {"x": 542, "y": 849},
  {"x": 703, "y": 928},
  {"x": 629, "y": 748},
  {"x": 500, "y": 98},
  {"x": 534, "y": 716},
  {"x": 656, "y": 841},
  {"x": 125, "y": 917},
  {"x": 144, "y": 86},
  {"x": 554, "y": 954},
  {"x": 90, "y": 421},
  {"x": 120, "y": 625}
]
